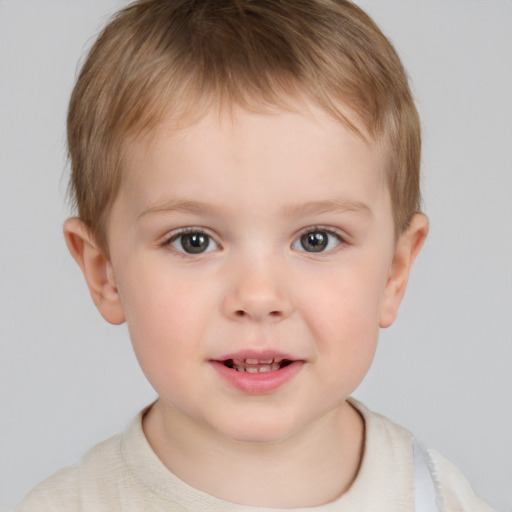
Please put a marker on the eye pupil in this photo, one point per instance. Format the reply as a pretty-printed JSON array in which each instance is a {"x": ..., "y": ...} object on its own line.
[
  {"x": 314, "y": 242},
  {"x": 195, "y": 242}
]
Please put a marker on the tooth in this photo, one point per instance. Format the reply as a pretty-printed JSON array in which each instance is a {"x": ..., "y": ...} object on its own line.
[
  {"x": 265, "y": 368},
  {"x": 238, "y": 362},
  {"x": 266, "y": 361},
  {"x": 275, "y": 366},
  {"x": 251, "y": 361},
  {"x": 251, "y": 370}
]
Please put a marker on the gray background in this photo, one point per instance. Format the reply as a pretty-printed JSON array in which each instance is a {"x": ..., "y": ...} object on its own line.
[{"x": 69, "y": 380}]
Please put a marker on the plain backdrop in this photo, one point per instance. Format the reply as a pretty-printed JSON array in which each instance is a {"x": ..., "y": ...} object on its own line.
[{"x": 69, "y": 380}]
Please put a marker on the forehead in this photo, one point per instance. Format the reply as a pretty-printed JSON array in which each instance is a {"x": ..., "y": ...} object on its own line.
[
  {"x": 272, "y": 153},
  {"x": 193, "y": 110},
  {"x": 207, "y": 120}
]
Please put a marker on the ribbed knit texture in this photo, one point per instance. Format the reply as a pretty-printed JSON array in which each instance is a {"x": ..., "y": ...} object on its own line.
[{"x": 124, "y": 474}]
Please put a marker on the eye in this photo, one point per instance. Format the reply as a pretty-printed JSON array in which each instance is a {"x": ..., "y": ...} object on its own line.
[
  {"x": 192, "y": 242},
  {"x": 317, "y": 240}
]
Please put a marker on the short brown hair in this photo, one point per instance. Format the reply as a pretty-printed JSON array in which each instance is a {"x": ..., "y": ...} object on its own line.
[{"x": 171, "y": 57}]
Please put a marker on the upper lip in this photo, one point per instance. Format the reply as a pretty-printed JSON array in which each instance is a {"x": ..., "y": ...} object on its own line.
[{"x": 257, "y": 355}]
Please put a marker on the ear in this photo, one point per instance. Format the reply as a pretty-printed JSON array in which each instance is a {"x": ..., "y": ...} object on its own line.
[
  {"x": 96, "y": 268},
  {"x": 408, "y": 247}
]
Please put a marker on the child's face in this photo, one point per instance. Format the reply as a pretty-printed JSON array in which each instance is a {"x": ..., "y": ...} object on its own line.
[{"x": 249, "y": 241}]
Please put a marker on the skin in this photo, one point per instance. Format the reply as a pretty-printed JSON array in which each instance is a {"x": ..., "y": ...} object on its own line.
[{"x": 253, "y": 184}]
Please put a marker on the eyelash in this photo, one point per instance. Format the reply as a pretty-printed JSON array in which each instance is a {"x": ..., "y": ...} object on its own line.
[
  {"x": 319, "y": 229},
  {"x": 297, "y": 244},
  {"x": 177, "y": 235}
]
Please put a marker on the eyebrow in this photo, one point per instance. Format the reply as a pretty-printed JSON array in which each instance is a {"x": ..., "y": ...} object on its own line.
[
  {"x": 329, "y": 206},
  {"x": 179, "y": 206},
  {"x": 292, "y": 211}
]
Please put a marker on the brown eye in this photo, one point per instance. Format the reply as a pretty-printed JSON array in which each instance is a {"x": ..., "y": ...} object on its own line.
[
  {"x": 193, "y": 242},
  {"x": 315, "y": 241}
]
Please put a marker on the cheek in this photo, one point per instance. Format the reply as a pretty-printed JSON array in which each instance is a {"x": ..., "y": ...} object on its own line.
[
  {"x": 165, "y": 320},
  {"x": 343, "y": 315},
  {"x": 347, "y": 340},
  {"x": 158, "y": 302},
  {"x": 348, "y": 301}
]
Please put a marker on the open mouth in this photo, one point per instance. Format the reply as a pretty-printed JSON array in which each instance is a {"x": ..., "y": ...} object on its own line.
[
  {"x": 257, "y": 373},
  {"x": 256, "y": 365}
]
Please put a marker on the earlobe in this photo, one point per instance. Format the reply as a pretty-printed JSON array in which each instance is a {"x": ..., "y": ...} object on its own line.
[
  {"x": 408, "y": 247},
  {"x": 96, "y": 268}
]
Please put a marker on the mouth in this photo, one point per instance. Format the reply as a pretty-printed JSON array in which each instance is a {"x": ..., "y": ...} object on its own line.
[
  {"x": 254, "y": 365},
  {"x": 257, "y": 373}
]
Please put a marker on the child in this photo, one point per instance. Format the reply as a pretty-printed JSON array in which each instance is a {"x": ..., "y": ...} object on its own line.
[{"x": 246, "y": 175}]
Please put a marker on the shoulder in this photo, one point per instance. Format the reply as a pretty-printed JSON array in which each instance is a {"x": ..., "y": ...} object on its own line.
[
  {"x": 392, "y": 446},
  {"x": 59, "y": 492},
  {"x": 455, "y": 490},
  {"x": 65, "y": 489},
  {"x": 385, "y": 478}
]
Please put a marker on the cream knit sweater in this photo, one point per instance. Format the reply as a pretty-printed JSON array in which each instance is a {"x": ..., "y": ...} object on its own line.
[{"x": 124, "y": 474}]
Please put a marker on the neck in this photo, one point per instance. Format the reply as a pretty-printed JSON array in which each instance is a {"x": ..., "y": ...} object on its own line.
[{"x": 310, "y": 468}]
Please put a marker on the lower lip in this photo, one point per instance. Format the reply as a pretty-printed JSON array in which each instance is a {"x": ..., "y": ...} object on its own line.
[{"x": 258, "y": 383}]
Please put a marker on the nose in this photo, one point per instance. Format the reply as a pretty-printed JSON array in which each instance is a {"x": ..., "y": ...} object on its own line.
[{"x": 257, "y": 293}]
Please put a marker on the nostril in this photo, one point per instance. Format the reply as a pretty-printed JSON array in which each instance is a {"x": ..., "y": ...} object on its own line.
[
  {"x": 258, "y": 314},
  {"x": 240, "y": 313}
]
